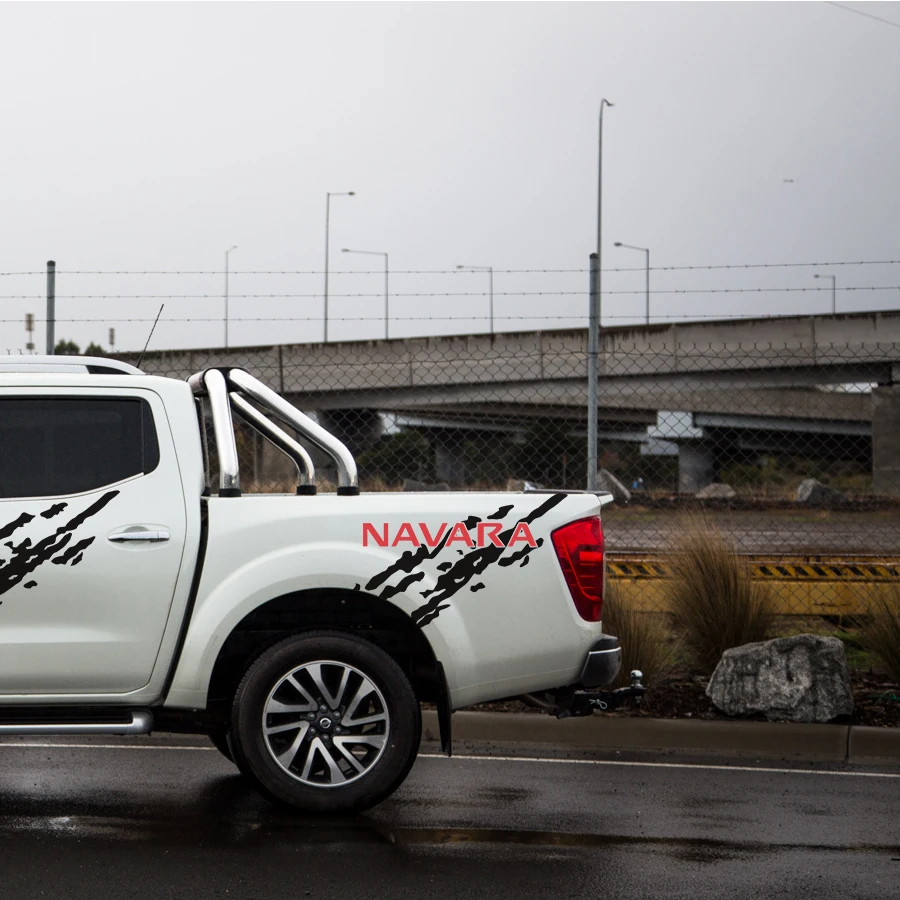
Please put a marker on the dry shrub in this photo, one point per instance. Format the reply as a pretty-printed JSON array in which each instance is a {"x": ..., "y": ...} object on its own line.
[
  {"x": 882, "y": 634},
  {"x": 645, "y": 639},
  {"x": 713, "y": 600}
]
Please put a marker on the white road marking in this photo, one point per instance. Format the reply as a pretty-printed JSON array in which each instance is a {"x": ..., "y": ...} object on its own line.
[
  {"x": 483, "y": 758},
  {"x": 661, "y": 765}
]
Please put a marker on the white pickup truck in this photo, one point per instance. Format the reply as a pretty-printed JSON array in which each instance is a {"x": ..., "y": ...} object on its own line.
[{"x": 300, "y": 632}]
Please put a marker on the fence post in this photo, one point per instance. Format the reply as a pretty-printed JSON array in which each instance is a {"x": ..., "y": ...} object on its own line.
[
  {"x": 51, "y": 307},
  {"x": 592, "y": 373}
]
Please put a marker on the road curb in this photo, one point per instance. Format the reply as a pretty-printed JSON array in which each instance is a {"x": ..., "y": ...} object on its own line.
[
  {"x": 815, "y": 743},
  {"x": 875, "y": 746}
]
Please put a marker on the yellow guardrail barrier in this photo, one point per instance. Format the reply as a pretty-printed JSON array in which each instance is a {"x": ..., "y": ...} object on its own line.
[{"x": 801, "y": 585}]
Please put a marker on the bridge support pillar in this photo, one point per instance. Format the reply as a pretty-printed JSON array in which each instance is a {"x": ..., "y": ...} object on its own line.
[
  {"x": 696, "y": 466},
  {"x": 886, "y": 440}
]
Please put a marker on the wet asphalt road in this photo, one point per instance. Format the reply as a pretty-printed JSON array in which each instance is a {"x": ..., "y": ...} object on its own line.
[{"x": 160, "y": 822}]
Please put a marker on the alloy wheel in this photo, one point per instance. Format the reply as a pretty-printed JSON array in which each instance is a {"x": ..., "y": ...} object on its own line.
[{"x": 325, "y": 723}]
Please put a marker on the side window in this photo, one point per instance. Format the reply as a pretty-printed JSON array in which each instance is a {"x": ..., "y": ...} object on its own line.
[{"x": 65, "y": 445}]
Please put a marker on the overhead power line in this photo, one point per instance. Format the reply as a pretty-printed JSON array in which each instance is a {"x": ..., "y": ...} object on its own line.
[
  {"x": 859, "y": 12},
  {"x": 457, "y": 294},
  {"x": 464, "y": 318},
  {"x": 459, "y": 272}
]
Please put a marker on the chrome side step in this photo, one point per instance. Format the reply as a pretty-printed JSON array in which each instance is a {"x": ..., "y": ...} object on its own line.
[{"x": 141, "y": 723}]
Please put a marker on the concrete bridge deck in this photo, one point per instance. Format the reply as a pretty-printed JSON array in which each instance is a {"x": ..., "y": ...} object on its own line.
[
  {"x": 840, "y": 348},
  {"x": 732, "y": 383}
]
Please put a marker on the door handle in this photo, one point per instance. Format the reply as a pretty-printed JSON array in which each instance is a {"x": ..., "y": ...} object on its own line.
[{"x": 123, "y": 537}]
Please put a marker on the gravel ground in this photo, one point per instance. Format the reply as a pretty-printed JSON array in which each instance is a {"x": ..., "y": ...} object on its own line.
[{"x": 683, "y": 695}]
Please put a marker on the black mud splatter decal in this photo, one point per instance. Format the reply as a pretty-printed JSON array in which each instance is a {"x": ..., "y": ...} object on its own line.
[
  {"x": 7, "y": 530},
  {"x": 456, "y": 575},
  {"x": 26, "y": 557},
  {"x": 72, "y": 552},
  {"x": 408, "y": 560},
  {"x": 401, "y": 585},
  {"x": 29, "y": 584},
  {"x": 520, "y": 554},
  {"x": 473, "y": 564}
]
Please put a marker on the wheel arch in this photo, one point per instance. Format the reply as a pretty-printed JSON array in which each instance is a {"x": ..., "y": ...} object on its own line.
[{"x": 351, "y": 611}]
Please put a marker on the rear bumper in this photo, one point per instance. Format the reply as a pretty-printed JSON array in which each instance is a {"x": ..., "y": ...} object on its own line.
[{"x": 603, "y": 662}]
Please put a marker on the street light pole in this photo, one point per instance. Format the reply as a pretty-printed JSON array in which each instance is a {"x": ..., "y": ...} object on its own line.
[
  {"x": 226, "y": 292},
  {"x": 328, "y": 197},
  {"x": 490, "y": 271},
  {"x": 594, "y": 320},
  {"x": 604, "y": 102},
  {"x": 387, "y": 308},
  {"x": 833, "y": 291},
  {"x": 645, "y": 250}
]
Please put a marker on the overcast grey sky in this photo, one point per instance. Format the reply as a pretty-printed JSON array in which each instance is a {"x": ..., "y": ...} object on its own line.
[{"x": 155, "y": 136}]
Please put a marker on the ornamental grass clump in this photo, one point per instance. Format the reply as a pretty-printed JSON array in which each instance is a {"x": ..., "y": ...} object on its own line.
[
  {"x": 882, "y": 634},
  {"x": 645, "y": 638},
  {"x": 714, "y": 602}
]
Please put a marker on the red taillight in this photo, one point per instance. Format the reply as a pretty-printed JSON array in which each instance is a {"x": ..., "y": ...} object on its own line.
[{"x": 579, "y": 549}]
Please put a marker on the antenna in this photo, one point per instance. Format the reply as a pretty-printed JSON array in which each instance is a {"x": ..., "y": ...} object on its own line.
[{"x": 141, "y": 357}]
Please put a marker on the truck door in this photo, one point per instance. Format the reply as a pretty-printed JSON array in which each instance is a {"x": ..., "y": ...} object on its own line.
[{"x": 92, "y": 531}]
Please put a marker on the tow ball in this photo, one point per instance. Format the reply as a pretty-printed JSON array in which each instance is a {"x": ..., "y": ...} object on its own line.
[{"x": 583, "y": 703}]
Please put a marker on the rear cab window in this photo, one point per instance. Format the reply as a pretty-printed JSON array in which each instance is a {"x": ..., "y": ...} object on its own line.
[{"x": 53, "y": 446}]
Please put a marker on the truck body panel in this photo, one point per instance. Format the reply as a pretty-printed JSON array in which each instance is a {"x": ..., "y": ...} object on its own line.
[{"x": 499, "y": 619}]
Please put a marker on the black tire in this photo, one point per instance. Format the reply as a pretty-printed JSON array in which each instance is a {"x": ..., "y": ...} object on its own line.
[
  {"x": 368, "y": 760},
  {"x": 220, "y": 742}
]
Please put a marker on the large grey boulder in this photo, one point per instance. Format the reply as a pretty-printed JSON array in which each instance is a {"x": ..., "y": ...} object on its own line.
[
  {"x": 814, "y": 493},
  {"x": 718, "y": 490},
  {"x": 608, "y": 482},
  {"x": 793, "y": 679}
]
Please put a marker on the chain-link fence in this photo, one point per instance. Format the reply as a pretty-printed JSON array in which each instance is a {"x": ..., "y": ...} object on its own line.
[{"x": 792, "y": 448}]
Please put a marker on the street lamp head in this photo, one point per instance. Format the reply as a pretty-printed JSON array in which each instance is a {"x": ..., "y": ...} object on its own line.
[
  {"x": 617, "y": 244},
  {"x": 351, "y": 193}
]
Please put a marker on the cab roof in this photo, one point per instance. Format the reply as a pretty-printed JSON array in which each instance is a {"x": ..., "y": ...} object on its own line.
[{"x": 69, "y": 365}]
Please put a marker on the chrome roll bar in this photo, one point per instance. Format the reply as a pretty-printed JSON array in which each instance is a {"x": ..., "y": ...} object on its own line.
[
  {"x": 223, "y": 426},
  {"x": 224, "y": 389},
  {"x": 306, "y": 471},
  {"x": 348, "y": 478}
]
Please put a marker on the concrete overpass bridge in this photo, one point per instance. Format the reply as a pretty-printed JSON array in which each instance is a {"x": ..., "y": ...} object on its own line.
[{"x": 693, "y": 388}]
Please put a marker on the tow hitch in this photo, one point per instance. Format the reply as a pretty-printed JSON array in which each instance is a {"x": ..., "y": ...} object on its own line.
[{"x": 583, "y": 703}]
